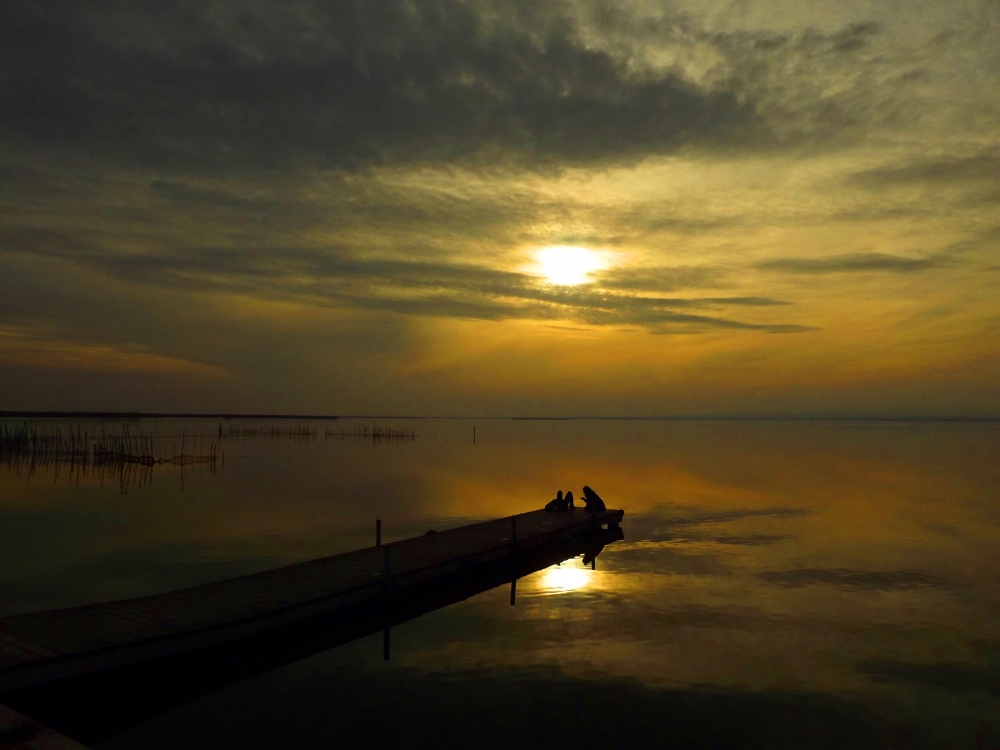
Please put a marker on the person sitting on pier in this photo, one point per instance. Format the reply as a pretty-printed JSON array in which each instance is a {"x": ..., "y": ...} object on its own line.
[
  {"x": 594, "y": 503},
  {"x": 557, "y": 504},
  {"x": 562, "y": 503}
]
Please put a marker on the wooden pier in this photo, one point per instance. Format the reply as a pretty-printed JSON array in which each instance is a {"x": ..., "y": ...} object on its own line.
[
  {"x": 44, "y": 646},
  {"x": 18, "y": 732}
]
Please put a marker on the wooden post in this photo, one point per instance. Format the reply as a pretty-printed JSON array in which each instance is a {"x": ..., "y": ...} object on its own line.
[
  {"x": 513, "y": 555},
  {"x": 386, "y": 586},
  {"x": 378, "y": 532}
]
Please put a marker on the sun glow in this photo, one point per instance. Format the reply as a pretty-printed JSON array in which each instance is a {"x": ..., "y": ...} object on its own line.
[{"x": 568, "y": 266}]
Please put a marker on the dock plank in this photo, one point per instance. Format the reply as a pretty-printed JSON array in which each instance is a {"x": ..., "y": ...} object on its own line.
[{"x": 48, "y": 645}]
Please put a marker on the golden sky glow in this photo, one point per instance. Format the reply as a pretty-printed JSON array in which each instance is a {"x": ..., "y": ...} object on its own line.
[{"x": 567, "y": 208}]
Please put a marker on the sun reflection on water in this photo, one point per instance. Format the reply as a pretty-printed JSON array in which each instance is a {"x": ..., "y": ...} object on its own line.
[{"x": 563, "y": 579}]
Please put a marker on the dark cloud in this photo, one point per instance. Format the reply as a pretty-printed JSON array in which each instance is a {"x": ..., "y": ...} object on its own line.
[
  {"x": 339, "y": 85},
  {"x": 855, "y": 580},
  {"x": 188, "y": 196},
  {"x": 661, "y": 279},
  {"x": 855, "y": 263},
  {"x": 983, "y": 166}
]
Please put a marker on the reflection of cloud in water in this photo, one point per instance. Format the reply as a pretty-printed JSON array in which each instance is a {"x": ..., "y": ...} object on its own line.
[
  {"x": 750, "y": 540},
  {"x": 684, "y": 523},
  {"x": 660, "y": 559},
  {"x": 862, "y": 580},
  {"x": 982, "y": 677}
]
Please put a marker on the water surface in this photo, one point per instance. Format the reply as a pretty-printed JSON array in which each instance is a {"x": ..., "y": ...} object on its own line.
[{"x": 779, "y": 585}]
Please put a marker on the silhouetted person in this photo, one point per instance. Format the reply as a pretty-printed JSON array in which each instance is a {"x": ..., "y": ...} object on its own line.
[
  {"x": 593, "y": 501},
  {"x": 557, "y": 504},
  {"x": 569, "y": 501}
]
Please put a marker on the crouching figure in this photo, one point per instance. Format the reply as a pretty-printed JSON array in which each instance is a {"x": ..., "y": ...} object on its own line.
[{"x": 593, "y": 501}]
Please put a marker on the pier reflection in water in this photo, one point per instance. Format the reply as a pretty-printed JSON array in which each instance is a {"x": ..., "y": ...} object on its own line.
[
  {"x": 95, "y": 706},
  {"x": 780, "y": 585}
]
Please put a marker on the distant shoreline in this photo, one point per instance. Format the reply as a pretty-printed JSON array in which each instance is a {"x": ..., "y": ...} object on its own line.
[
  {"x": 154, "y": 415},
  {"x": 688, "y": 418}
]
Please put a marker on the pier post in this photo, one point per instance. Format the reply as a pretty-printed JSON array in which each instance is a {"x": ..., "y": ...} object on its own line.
[
  {"x": 513, "y": 555},
  {"x": 387, "y": 586},
  {"x": 378, "y": 532}
]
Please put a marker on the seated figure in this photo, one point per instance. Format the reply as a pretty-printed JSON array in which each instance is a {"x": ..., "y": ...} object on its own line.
[
  {"x": 594, "y": 503},
  {"x": 569, "y": 501},
  {"x": 557, "y": 504}
]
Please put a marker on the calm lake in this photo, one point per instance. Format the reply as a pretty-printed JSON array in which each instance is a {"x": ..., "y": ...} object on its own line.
[{"x": 780, "y": 584}]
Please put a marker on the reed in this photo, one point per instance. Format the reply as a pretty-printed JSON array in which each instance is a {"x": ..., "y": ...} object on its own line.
[
  {"x": 374, "y": 432},
  {"x": 296, "y": 433},
  {"x": 124, "y": 454}
]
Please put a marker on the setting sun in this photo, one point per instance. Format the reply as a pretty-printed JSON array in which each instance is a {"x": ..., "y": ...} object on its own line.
[{"x": 568, "y": 266}]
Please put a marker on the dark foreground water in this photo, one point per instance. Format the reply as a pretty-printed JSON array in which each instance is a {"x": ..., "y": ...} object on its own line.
[{"x": 780, "y": 584}]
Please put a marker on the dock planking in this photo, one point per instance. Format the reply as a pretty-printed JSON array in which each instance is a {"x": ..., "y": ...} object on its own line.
[{"x": 43, "y": 646}]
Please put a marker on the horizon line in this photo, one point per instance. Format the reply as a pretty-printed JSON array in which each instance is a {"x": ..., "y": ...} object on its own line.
[{"x": 674, "y": 418}]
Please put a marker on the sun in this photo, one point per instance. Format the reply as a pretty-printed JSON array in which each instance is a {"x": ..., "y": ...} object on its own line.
[{"x": 568, "y": 266}]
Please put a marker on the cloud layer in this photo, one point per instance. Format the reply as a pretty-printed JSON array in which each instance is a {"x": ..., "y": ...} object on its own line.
[
  {"x": 343, "y": 85},
  {"x": 828, "y": 173}
]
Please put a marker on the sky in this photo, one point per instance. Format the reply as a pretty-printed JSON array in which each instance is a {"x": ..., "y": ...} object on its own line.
[{"x": 438, "y": 207}]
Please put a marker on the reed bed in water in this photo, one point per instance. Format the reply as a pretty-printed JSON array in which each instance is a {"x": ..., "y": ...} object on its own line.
[
  {"x": 299, "y": 433},
  {"x": 373, "y": 432},
  {"x": 124, "y": 447},
  {"x": 102, "y": 452},
  {"x": 26, "y": 440}
]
